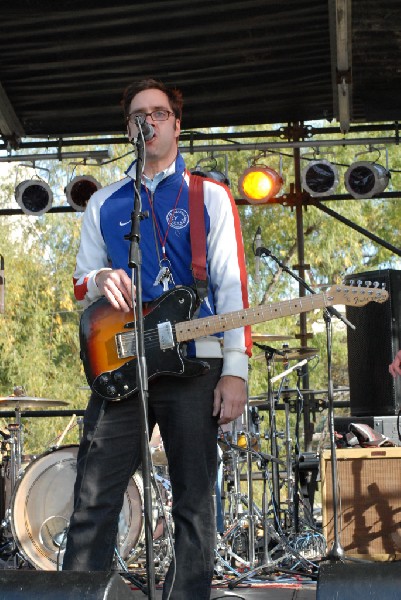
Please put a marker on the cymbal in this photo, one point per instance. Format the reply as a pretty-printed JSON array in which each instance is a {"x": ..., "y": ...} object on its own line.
[
  {"x": 18, "y": 402},
  {"x": 291, "y": 354},
  {"x": 267, "y": 337}
]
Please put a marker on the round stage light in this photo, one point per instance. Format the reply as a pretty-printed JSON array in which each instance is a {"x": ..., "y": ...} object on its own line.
[
  {"x": 213, "y": 174},
  {"x": 366, "y": 179},
  {"x": 34, "y": 197},
  {"x": 320, "y": 178},
  {"x": 259, "y": 184},
  {"x": 79, "y": 191}
]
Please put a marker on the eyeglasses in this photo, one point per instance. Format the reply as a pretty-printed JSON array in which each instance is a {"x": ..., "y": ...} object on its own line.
[{"x": 157, "y": 115}]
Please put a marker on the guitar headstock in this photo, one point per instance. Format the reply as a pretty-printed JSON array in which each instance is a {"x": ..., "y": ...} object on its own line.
[{"x": 357, "y": 295}]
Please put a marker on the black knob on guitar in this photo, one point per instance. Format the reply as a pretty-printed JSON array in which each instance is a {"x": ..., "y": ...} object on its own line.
[
  {"x": 111, "y": 390},
  {"x": 104, "y": 380},
  {"x": 118, "y": 377}
]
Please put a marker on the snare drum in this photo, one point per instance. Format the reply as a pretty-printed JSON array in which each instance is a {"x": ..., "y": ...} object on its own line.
[{"x": 42, "y": 504}]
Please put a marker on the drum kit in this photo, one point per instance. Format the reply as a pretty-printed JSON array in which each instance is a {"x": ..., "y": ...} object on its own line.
[
  {"x": 258, "y": 525},
  {"x": 37, "y": 500}
]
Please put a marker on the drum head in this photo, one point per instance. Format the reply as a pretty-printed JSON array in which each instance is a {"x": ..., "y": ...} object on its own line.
[{"x": 42, "y": 504}]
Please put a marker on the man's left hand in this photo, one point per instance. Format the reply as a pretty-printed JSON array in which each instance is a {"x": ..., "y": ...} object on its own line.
[{"x": 229, "y": 399}]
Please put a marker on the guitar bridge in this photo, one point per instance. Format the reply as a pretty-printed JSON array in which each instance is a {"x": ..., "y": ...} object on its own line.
[
  {"x": 125, "y": 345},
  {"x": 166, "y": 338}
]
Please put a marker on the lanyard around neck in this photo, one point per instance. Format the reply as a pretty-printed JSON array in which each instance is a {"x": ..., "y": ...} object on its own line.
[{"x": 162, "y": 239}]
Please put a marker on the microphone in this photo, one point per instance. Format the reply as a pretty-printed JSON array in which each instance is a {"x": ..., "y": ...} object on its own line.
[
  {"x": 146, "y": 128},
  {"x": 257, "y": 246}
]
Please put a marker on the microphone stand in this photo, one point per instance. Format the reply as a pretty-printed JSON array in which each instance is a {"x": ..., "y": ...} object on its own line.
[
  {"x": 135, "y": 263},
  {"x": 262, "y": 251},
  {"x": 336, "y": 552}
]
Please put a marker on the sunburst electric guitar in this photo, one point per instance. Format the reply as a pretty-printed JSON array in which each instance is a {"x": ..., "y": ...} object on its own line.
[{"x": 108, "y": 341}]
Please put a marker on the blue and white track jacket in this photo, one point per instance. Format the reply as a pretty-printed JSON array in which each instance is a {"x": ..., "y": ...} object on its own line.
[{"x": 107, "y": 220}]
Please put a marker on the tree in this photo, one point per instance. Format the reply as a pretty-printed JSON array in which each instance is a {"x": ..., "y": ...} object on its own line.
[{"x": 39, "y": 331}]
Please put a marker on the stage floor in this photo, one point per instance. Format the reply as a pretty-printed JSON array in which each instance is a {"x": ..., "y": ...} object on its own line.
[{"x": 272, "y": 591}]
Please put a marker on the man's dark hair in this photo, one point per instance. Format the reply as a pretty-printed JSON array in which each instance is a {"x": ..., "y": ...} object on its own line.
[{"x": 173, "y": 94}]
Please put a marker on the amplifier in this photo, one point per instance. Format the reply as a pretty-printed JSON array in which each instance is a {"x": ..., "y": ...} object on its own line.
[
  {"x": 387, "y": 425},
  {"x": 369, "y": 501}
]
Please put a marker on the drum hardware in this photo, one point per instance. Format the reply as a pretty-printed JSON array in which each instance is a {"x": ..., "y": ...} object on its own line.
[
  {"x": 239, "y": 447},
  {"x": 267, "y": 337},
  {"x": 292, "y": 479},
  {"x": 15, "y": 442},
  {"x": 64, "y": 433},
  {"x": 270, "y": 355},
  {"x": 80, "y": 423},
  {"x": 251, "y": 515},
  {"x": 276, "y": 544},
  {"x": 162, "y": 527},
  {"x": 296, "y": 391},
  {"x": 286, "y": 354}
]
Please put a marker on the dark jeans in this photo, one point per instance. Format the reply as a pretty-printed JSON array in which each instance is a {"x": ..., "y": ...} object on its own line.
[{"x": 183, "y": 409}]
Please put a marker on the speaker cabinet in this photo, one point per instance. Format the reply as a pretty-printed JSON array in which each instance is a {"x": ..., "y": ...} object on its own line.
[
  {"x": 62, "y": 585},
  {"x": 350, "y": 581},
  {"x": 369, "y": 501},
  {"x": 372, "y": 347}
]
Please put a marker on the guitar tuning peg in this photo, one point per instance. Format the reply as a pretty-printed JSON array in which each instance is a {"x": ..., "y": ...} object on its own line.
[
  {"x": 359, "y": 283},
  {"x": 351, "y": 282},
  {"x": 368, "y": 283},
  {"x": 376, "y": 284}
]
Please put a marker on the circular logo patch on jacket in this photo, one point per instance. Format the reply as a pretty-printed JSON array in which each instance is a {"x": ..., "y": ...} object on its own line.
[{"x": 180, "y": 218}]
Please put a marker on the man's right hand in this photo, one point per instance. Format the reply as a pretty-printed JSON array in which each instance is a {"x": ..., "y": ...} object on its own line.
[
  {"x": 115, "y": 285},
  {"x": 395, "y": 367}
]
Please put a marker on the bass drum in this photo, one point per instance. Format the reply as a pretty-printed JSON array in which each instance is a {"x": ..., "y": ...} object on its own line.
[{"x": 42, "y": 504}]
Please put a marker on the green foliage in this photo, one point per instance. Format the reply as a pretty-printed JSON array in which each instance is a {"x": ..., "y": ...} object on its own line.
[{"x": 39, "y": 345}]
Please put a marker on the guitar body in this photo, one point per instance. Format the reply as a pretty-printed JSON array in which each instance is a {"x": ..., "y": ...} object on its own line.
[{"x": 115, "y": 378}]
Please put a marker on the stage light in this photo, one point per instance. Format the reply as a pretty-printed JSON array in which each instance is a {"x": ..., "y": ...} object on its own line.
[
  {"x": 210, "y": 168},
  {"x": 34, "y": 197},
  {"x": 215, "y": 175},
  {"x": 79, "y": 190},
  {"x": 320, "y": 178},
  {"x": 366, "y": 179},
  {"x": 259, "y": 184}
]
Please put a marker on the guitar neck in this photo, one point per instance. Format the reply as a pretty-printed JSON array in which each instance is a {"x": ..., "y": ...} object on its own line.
[{"x": 190, "y": 330}]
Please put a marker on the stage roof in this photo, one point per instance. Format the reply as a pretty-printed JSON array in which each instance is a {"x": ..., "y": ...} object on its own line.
[{"x": 64, "y": 64}]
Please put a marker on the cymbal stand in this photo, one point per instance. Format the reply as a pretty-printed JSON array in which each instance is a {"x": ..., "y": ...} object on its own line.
[
  {"x": 269, "y": 356},
  {"x": 15, "y": 441},
  {"x": 289, "y": 463},
  {"x": 236, "y": 508},
  {"x": 287, "y": 438},
  {"x": 292, "y": 478},
  {"x": 251, "y": 514},
  {"x": 15, "y": 448}
]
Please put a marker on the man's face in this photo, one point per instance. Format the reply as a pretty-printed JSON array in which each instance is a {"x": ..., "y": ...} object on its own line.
[{"x": 162, "y": 148}]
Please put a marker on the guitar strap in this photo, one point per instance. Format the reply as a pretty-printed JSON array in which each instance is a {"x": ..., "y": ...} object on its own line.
[{"x": 197, "y": 231}]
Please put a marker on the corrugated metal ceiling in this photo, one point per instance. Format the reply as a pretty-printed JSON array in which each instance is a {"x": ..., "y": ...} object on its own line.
[{"x": 63, "y": 65}]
